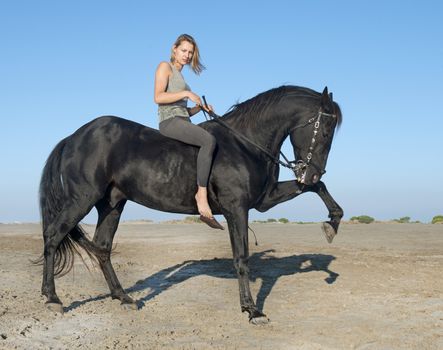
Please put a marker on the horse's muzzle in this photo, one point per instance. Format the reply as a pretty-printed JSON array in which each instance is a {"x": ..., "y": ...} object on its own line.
[
  {"x": 315, "y": 178},
  {"x": 308, "y": 180},
  {"x": 306, "y": 176}
]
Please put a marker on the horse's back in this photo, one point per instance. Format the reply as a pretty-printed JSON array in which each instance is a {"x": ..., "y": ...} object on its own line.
[
  {"x": 108, "y": 133},
  {"x": 112, "y": 129}
]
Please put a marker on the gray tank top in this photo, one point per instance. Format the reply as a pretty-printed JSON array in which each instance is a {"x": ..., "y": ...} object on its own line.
[{"x": 176, "y": 83}]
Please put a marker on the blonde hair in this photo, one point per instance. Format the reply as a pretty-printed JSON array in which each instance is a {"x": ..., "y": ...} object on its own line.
[{"x": 195, "y": 64}]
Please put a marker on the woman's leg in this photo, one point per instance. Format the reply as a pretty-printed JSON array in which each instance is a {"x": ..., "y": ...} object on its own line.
[{"x": 180, "y": 128}]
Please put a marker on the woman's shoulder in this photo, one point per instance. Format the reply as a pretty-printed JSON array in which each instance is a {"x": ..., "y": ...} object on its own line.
[{"x": 164, "y": 66}]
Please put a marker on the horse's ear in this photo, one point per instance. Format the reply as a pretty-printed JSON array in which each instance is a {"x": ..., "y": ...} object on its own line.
[
  {"x": 330, "y": 97},
  {"x": 325, "y": 101}
]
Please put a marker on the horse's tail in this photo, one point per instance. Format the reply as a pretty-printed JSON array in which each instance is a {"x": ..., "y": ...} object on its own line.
[
  {"x": 51, "y": 187},
  {"x": 52, "y": 197}
]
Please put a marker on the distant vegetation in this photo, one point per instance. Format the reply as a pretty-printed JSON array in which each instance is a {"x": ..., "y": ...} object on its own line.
[
  {"x": 192, "y": 219},
  {"x": 403, "y": 220},
  {"x": 363, "y": 219},
  {"x": 272, "y": 221},
  {"x": 406, "y": 220}
]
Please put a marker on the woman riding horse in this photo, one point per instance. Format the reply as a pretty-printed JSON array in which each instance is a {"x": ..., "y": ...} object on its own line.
[
  {"x": 111, "y": 160},
  {"x": 171, "y": 94}
]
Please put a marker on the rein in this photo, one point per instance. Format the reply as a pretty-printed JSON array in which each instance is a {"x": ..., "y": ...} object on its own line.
[{"x": 296, "y": 166}]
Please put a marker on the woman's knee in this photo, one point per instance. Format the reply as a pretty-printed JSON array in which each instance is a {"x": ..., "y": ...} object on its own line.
[
  {"x": 207, "y": 147},
  {"x": 211, "y": 142}
]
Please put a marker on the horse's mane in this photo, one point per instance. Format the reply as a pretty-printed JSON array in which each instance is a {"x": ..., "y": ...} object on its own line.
[{"x": 250, "y": 111}]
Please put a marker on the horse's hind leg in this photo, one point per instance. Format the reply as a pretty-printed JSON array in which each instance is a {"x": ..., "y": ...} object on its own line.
[
  {"x": 108, "y": 220},
  {"x": 52, "y": 238},
  {"x": 54, "y": 234}
]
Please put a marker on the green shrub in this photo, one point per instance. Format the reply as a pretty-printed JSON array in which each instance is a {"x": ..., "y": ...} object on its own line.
[
  {"x": 283, "y": 220},
  {"x": 192, "y": 219},
  {"x": 403, "y": 220},
  {"x": 272, "y": 220},
  {"x": 363, "y": 219},
  {"x": 437, "y": 219}
]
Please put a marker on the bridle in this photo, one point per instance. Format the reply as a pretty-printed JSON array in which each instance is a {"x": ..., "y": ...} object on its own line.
[{"x": 300, "y": 166}]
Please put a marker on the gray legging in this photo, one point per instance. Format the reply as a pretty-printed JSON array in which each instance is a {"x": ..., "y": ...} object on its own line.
[{"x": 182, "y": 129}]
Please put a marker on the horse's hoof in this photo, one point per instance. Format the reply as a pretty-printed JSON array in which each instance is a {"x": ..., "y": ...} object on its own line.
[
  {"x": 329, "y": 231},
  {"x": 260, "y": 320},
  {"x": 129, "y": 306},
  {"x": 55, "y": 307},
  {"x": 257, "y": 318}
]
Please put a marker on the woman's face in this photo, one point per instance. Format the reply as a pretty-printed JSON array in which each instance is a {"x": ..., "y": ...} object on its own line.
[{"x": 183, "y": 53}]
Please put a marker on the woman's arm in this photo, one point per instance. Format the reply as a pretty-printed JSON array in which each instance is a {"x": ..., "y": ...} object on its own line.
[
  {"x": 161, "y": 96},
  {"x": 161, "y": 83}
]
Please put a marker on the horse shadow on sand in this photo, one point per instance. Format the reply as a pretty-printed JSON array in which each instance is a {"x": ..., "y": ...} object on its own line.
[{"x": 263, "y": 266}]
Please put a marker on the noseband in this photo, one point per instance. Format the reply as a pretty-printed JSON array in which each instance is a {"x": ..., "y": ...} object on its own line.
[{"x": 299, "y": 167}]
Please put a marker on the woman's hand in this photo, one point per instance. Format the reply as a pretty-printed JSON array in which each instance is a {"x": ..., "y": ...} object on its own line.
[
  {"x": 208, "y": 108},
  {"x": 198, "y": 104},
  {"x": 194, "y": 98},
  {"x": 197, "y": 108}
]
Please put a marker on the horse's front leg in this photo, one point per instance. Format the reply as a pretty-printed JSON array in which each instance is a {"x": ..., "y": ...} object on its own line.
[
  {"x": 279, "y": 192},
  {"x": 238, "y": 231},
  {"x": 330, "y": 228},
  {"x": 286, "y": 190}
]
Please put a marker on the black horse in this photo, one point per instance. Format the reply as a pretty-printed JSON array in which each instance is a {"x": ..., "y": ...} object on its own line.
[{"x": 111, "y": 160}]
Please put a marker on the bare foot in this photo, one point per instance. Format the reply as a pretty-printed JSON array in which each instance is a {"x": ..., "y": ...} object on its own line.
[{"x": 201, "y": 198}]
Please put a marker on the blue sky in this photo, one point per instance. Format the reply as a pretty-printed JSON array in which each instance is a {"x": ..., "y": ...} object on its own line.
[{"x": 64, "y": 63}]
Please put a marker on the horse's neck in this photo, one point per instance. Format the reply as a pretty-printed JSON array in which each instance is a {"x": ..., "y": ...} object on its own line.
[{"x": 269, "y": 132}]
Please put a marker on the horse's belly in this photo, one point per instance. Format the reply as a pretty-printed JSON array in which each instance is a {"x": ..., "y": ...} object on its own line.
[{"x": 162, "y": 186}]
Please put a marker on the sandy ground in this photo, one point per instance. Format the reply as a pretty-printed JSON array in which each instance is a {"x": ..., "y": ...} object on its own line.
[{"x": 378, "y": 286}]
